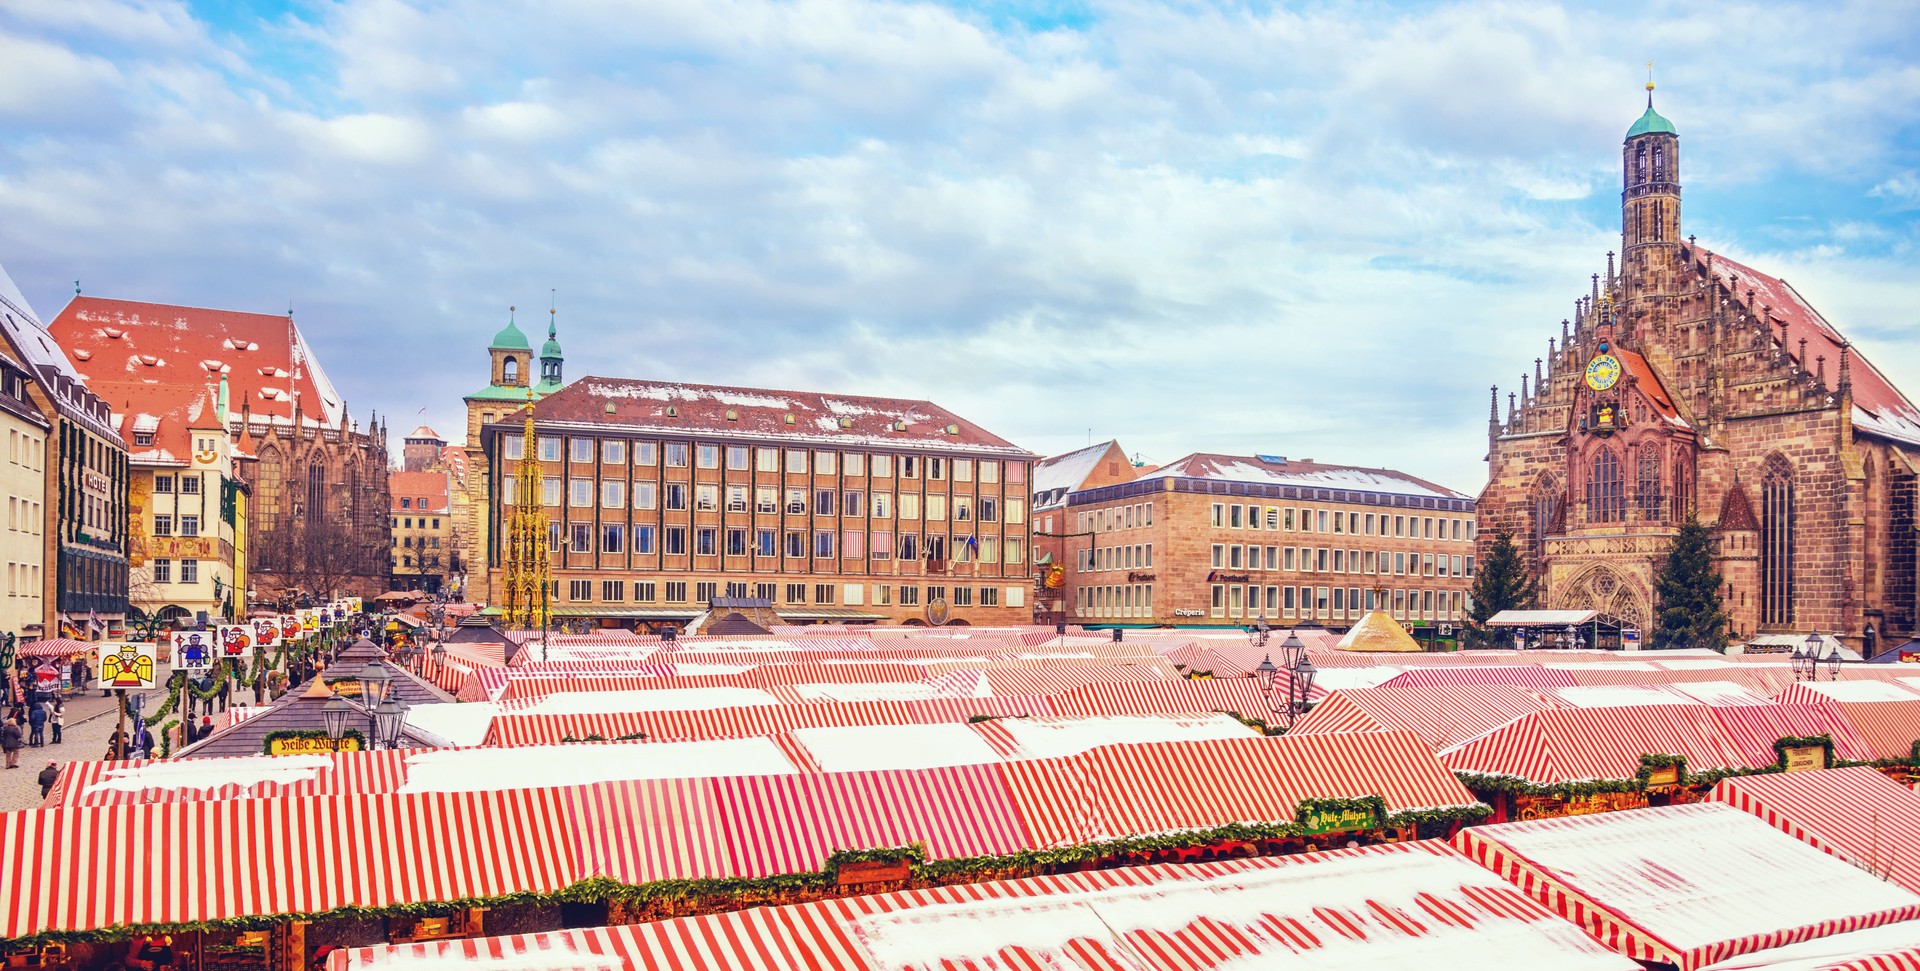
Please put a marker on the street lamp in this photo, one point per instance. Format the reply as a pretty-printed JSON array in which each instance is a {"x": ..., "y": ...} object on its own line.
[
  {"x": 1300, "y": 675},
  {"x": 1833, "y": 664},
  {"x": 1573, "y": 638},
  {"x": 1806, "y": 658},
  {"x": 1257, "y": 634},
  {"x": 386, "y": 715}
]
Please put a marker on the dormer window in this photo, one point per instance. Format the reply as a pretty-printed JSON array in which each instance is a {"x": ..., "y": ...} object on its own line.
[{"x": 143, "y": 438}]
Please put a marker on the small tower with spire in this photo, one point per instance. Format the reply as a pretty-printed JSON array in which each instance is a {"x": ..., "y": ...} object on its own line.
[
  {"x": 512, "y": 356},
  {"x": 1650, "y": 199},
  {"x": 550, "y": 357}
]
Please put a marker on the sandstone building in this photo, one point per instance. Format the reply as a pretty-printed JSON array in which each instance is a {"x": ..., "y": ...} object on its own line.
[
  {"x": 82, "y": 574},
  {"x": 1232, "y": 540},
  {"x": 1689, "y": 384},
  {"x": 317, "y": 513},
  {"x": 664, "y": 497}
]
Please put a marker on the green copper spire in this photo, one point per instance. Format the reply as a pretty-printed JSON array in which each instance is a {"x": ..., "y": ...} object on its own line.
[
  {"x": 510, "y": 338},
  {"x": 1651, "y": 123}
]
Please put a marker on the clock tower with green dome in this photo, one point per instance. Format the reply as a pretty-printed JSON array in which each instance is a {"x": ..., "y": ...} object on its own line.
[{"x": 512, "y": 381}]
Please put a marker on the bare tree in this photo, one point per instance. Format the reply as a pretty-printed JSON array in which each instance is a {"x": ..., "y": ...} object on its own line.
[{"x": 316, "y": 557}]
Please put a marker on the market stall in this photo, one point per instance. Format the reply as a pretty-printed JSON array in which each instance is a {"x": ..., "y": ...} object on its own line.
[
  {"x": 1382, "y": 907},
  {"x": 1686, "y": 885},
  {"x": 1856, "y": 814},
  {"x": 1441, "y": 716}
]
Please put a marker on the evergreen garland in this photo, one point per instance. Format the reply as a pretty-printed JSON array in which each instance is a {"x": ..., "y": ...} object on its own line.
[
  {"x": 1687, "y": 589},
  {"x": 1503, "y": 581}
]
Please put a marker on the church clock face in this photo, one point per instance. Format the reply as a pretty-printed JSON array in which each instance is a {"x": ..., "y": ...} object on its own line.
[{"x": 1603, "y": 372}]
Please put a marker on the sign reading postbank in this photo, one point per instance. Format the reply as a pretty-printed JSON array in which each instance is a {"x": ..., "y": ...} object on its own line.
[
  {"x": 1805, "y": 758},
  {"x": 1346, "y": 819},
  {"x": 310, "y": 745}
]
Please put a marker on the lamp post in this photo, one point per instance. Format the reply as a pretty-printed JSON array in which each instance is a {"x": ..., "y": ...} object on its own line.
[
  {"x": 1257, "y": 634},
  {"x": 386, "y": 716},
  {"x": 1833, "y": 663},
  {"x": 1300, "y": 674},
  {"x": 1806, "y": 658}
]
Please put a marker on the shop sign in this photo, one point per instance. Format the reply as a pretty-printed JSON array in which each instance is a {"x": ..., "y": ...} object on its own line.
[
  {"x": 1347, "y": 820},
  {"x": 126, "y": 665},
  {"x": 1666, "y": 775},
  {"x": 857, "y": 872},
  {"x": 311, "y": 745},
  {"x": 1806, "y": 758},
  {"x": 346, "y": 687},
  {"x": 1910, "y": 657},
  {"x": 1139, "y": 578},
  {"x": 1189, "y": 612},
  {"x": 1216, "y": 576},
  {"x": 95, "y": 482}
]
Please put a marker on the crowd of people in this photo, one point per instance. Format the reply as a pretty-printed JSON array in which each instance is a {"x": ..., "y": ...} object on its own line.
[{"x": 26, "y": 726}]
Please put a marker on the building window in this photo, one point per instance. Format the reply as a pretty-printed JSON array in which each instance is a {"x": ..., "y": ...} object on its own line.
[
  {"x": 643, "y": 539},
  {"x": 580, "y": 493},
  {"x": 675, "y": 543},
  {"x": 580, "y": 449},
  {"x": 737, "y": 457},
  {"x": 823, "y": 593},
  {"x": 736, "y": 498},
  {"x": 709, "y": 457},
  {"x": 646, "y": 453},
  {"x": 1606, "y": 492},
  {"x": 613, "y": 452},
  {"x": 706, "y": 498},
  {"x": 796, "y": 502},
  {"x": 512, "y": 447},
  {"x": 163, "y": 571},
  {"x": 163, "y": 525},
  {"x": 1647, "y": 495},
  {"x": 613, "y": 590},
  {"x": 797, "y": 461},
  {"x": 703, "y": 592},
  {"x": 581, "y": 537},
  {"x": 676, "y": 591},
  {"x": 580, "y": 590},
  {"x": 189, "y": 525},
  {"x": 613, "y": 539},
  {"x": 644, "y": 591},
  {"x": 706, "y": 541},
  {"x": 796, "y": 543},
  {"x": 676, "y": 455},
  {"x": 823, "y": 500},
  {"x": 909, "y": 596},
  {"x": 796, "y": 593},
  {"x": 823, "y": 543},
  {"x": 1776, "y": 543},
  {"x": 766, "y": 543},
  {"x": 613, "y": 495},
  {"x": 736, "y": 542},
  {"x": 549, "y": 448},
  {"x": 189, "y": 571},
  {"x": 677, "y": 496}
]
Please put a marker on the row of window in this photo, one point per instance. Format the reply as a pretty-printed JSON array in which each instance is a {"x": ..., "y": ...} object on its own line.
[
  {"x": 820, "y": 594},
  {"x": 850, "y": 544},
  {"x": 23, "y": 580},
  {"x": 1137, "y": 556},
  {"x": 1298, "y": 603},
  {"x": 164, "y": 523},
  {"x": 1235, "y": 516},
  {"x": 27, "y": 450},
  {"x": 24, "y": 515},
  {"x": 408, "y": 502},
  {"x": 1322, "y": 560},
  {"x": 427, "y": 561},
  {"x": 408, "y": 542},
  {"x": 767, "y": 500},
  {"x": 408, "y": 520},
  {"x": 163, "y": 571},
  {"x": 741, "y": 458},
  {"x": 187, "y": 483}
]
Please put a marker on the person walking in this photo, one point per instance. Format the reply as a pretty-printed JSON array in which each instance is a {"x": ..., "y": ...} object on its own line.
[
  {"x": 10, "y": 739},
  {"x": 37, "y": 722},
  {"x": 49, "y": 776},
  {"x": 58, "y": 718},
  {"x": 117, "y": 746}
]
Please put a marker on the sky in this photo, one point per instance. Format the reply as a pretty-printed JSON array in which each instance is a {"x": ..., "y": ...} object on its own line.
[{"x": 1319, "y": 230}]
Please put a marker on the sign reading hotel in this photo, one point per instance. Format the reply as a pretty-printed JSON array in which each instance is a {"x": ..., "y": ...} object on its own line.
[{"x": 310, "y": 745}]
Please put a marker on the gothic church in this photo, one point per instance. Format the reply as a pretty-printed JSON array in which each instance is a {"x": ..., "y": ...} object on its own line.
[{"x": 1686, "y": 383}]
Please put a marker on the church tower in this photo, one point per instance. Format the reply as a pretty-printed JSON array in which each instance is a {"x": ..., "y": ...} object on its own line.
[
  {"x": 1650, "y": 201},
  {"x": 550, "y": 359}
]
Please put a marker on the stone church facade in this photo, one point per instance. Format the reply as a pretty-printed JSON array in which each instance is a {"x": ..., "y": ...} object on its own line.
[{"x": 1688, "y": 384}]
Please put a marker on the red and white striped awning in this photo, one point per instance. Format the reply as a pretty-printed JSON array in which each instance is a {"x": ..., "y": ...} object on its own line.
[
  {"x": 1394, "y": 906},
  {"x": 1855, "y": 813},
  {"x": 92, "y": 868},
  {"x": 1242, "y": 696},
  {"x": 1889, "y": 947},
  {"x": 1118, "y": 790},
  {"x": 1562, "y": 745},
  {"x": 1522, "y": 675},
  {"x": 1441, "y": 716},
  {"x": 1685, "y": 885},
  {"x": 1752, "y": 730},
  {"x": 508, "y": 729},
  {"x": 57, "y": 647}
]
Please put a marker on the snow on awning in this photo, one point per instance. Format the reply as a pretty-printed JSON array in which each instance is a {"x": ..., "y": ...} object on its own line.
[
  {"x": 1686, "y": 885},
  {"x": 1855, "y": 813},
  {"x": 1379, "y": 907},
  {"x": 1541, "y": 618}
]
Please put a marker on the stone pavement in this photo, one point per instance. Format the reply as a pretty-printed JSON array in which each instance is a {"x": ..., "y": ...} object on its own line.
[{"x": 90, "y": 719}]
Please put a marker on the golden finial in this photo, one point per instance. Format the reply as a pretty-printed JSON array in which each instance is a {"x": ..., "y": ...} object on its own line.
[{"x": 1649, "y": 75}]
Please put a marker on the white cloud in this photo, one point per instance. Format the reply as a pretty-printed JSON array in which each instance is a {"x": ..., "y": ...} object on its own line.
[{"x": 1319, "y": 231}]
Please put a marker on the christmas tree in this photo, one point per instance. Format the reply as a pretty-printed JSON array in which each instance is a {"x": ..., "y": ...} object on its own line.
[
  {"x": 1502, "y": 583},
  {"x": 1687, "y": 589}
]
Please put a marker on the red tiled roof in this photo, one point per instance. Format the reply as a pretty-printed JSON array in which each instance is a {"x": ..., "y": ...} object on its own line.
[
  {"x": 418, "y": 486},
  {"x": 816, "y": 417},
  {"x": 1879, "y": 406},
  {"x": 1649, "y": 383},
  {"x": 129, "y": 351}
]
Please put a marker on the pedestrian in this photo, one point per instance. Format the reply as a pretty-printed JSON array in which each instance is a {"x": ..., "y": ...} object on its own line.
[
  {"x": 142, "y": 742},
  {"x": 37, "y": 721},
  {"x": 58, "y": 718},
  {"x": 49, "y": 776},
  {"x": 226, "y": 686},
  {"x": 117, "y": 746},
  {"x": 10, "y": 739},
  {"x": 206, "y": 726}
]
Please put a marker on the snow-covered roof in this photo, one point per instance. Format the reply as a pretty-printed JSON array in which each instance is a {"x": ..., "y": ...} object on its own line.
[
  {"x": 29, "y": 332},
  {"x": 861, "y": 748},
  {"x": 1275, "y": 470},
  {"x": 543, "y": 766},
  {"x": 1046, "y": 738},
  {"x": 660, "y": 699}
]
